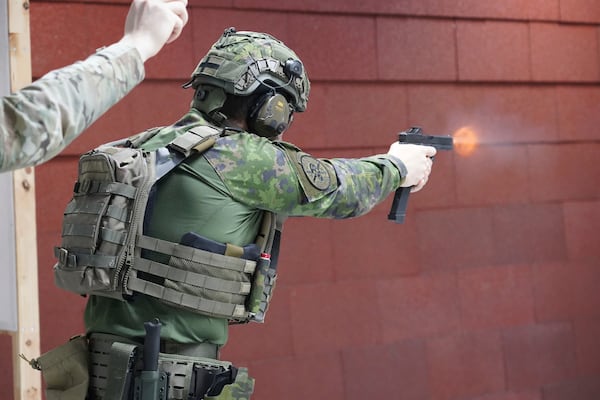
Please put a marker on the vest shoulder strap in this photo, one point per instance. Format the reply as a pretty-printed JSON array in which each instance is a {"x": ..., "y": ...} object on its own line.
[
  {"x": 196, "y": 140},
  {"x": 199, "y": 138}
]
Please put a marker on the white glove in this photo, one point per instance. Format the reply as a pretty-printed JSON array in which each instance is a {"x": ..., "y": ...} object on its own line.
[
  {"x": 151, "y": 24},
  {"x": 417, "y": 160}
]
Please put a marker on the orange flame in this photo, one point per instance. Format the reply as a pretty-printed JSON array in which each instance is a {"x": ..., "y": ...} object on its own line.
[{"x": 465, "y": 141}]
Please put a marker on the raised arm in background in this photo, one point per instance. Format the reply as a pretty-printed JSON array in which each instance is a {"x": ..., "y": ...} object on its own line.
[{"x": 40, "y": 120}]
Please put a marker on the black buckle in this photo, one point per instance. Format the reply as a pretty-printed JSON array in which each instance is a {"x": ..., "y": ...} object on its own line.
[{"x": 65, "y": 259}]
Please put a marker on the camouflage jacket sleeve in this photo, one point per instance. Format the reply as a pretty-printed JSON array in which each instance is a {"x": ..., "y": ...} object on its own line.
[
  {"x": 281, "y": 178},
  {"x": 40, "y": 120}
]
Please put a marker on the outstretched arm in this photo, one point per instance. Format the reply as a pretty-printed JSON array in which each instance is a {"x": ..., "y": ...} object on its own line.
[{"x": 40, "y": 120}]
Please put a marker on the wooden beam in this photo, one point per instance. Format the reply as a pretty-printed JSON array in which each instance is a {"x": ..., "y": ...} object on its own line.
[{"x": 26, "y": 341}]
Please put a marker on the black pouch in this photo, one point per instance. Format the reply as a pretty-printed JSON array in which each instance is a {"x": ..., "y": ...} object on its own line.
[
  {"x": 240, "y": 389},
  {"x": 207, "y": 381}
]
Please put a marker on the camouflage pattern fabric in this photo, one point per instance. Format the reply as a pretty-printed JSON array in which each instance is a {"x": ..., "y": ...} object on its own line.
[
  {"x": 239, "y": 62},
  {"x": 40, "y": 120},
  {"x": 279, "y": 177}
]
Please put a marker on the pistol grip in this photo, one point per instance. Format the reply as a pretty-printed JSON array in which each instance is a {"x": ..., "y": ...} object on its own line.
[{"x": 399, "y": 204}]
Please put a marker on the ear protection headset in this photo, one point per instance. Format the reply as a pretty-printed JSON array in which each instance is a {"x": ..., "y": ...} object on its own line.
[{"x": 272, "y": 114}]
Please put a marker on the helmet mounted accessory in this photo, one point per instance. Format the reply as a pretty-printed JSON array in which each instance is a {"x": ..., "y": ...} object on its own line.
[{"x": 210, "y": 100}]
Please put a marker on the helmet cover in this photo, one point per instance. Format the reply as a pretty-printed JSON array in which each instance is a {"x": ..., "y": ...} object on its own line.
[{"x": 244, "y": 62}]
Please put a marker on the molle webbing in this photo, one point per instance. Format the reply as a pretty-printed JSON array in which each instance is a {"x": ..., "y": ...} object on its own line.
[
  {"x": 104, "y": 217},
  {"x": 115, "y": 360},
  {"x": 104, "y": 251},
  {"x": 219, "y": 285},
  {"x": 205, "y": 282},
  {"x": 101, "y": 220}
]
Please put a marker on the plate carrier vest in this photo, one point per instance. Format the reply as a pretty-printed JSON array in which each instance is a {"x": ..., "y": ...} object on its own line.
[{"x": 103, "y": 244}]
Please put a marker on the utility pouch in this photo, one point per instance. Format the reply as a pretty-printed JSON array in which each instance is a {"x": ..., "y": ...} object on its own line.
[
  {"x": 263, "y": 285},
  {"x": 65, "y": 370},
  {"x": 102, "y": 219},
  {"x": 265, "y": 275}
]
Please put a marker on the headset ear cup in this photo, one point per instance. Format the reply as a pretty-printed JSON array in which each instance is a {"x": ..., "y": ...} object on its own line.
[
  {"x": 254, "y": 110},
  {"x": 270, "y": 116}
]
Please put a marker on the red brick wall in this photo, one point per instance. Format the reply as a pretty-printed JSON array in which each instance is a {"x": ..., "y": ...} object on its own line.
[{"x": 490, "y": 288}]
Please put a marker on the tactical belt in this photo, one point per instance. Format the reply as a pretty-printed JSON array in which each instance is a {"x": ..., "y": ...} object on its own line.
[{"x": 115, "y": 361}]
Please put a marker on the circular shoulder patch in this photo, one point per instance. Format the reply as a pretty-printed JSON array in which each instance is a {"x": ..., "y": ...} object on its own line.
[{"x": 316, "y": 173}]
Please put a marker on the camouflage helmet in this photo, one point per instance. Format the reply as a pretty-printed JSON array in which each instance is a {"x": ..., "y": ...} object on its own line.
[{"x": 243, "y": 62}]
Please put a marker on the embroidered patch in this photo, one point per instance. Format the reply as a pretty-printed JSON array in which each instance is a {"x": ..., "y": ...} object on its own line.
[{"x": 315, "y": 171}]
